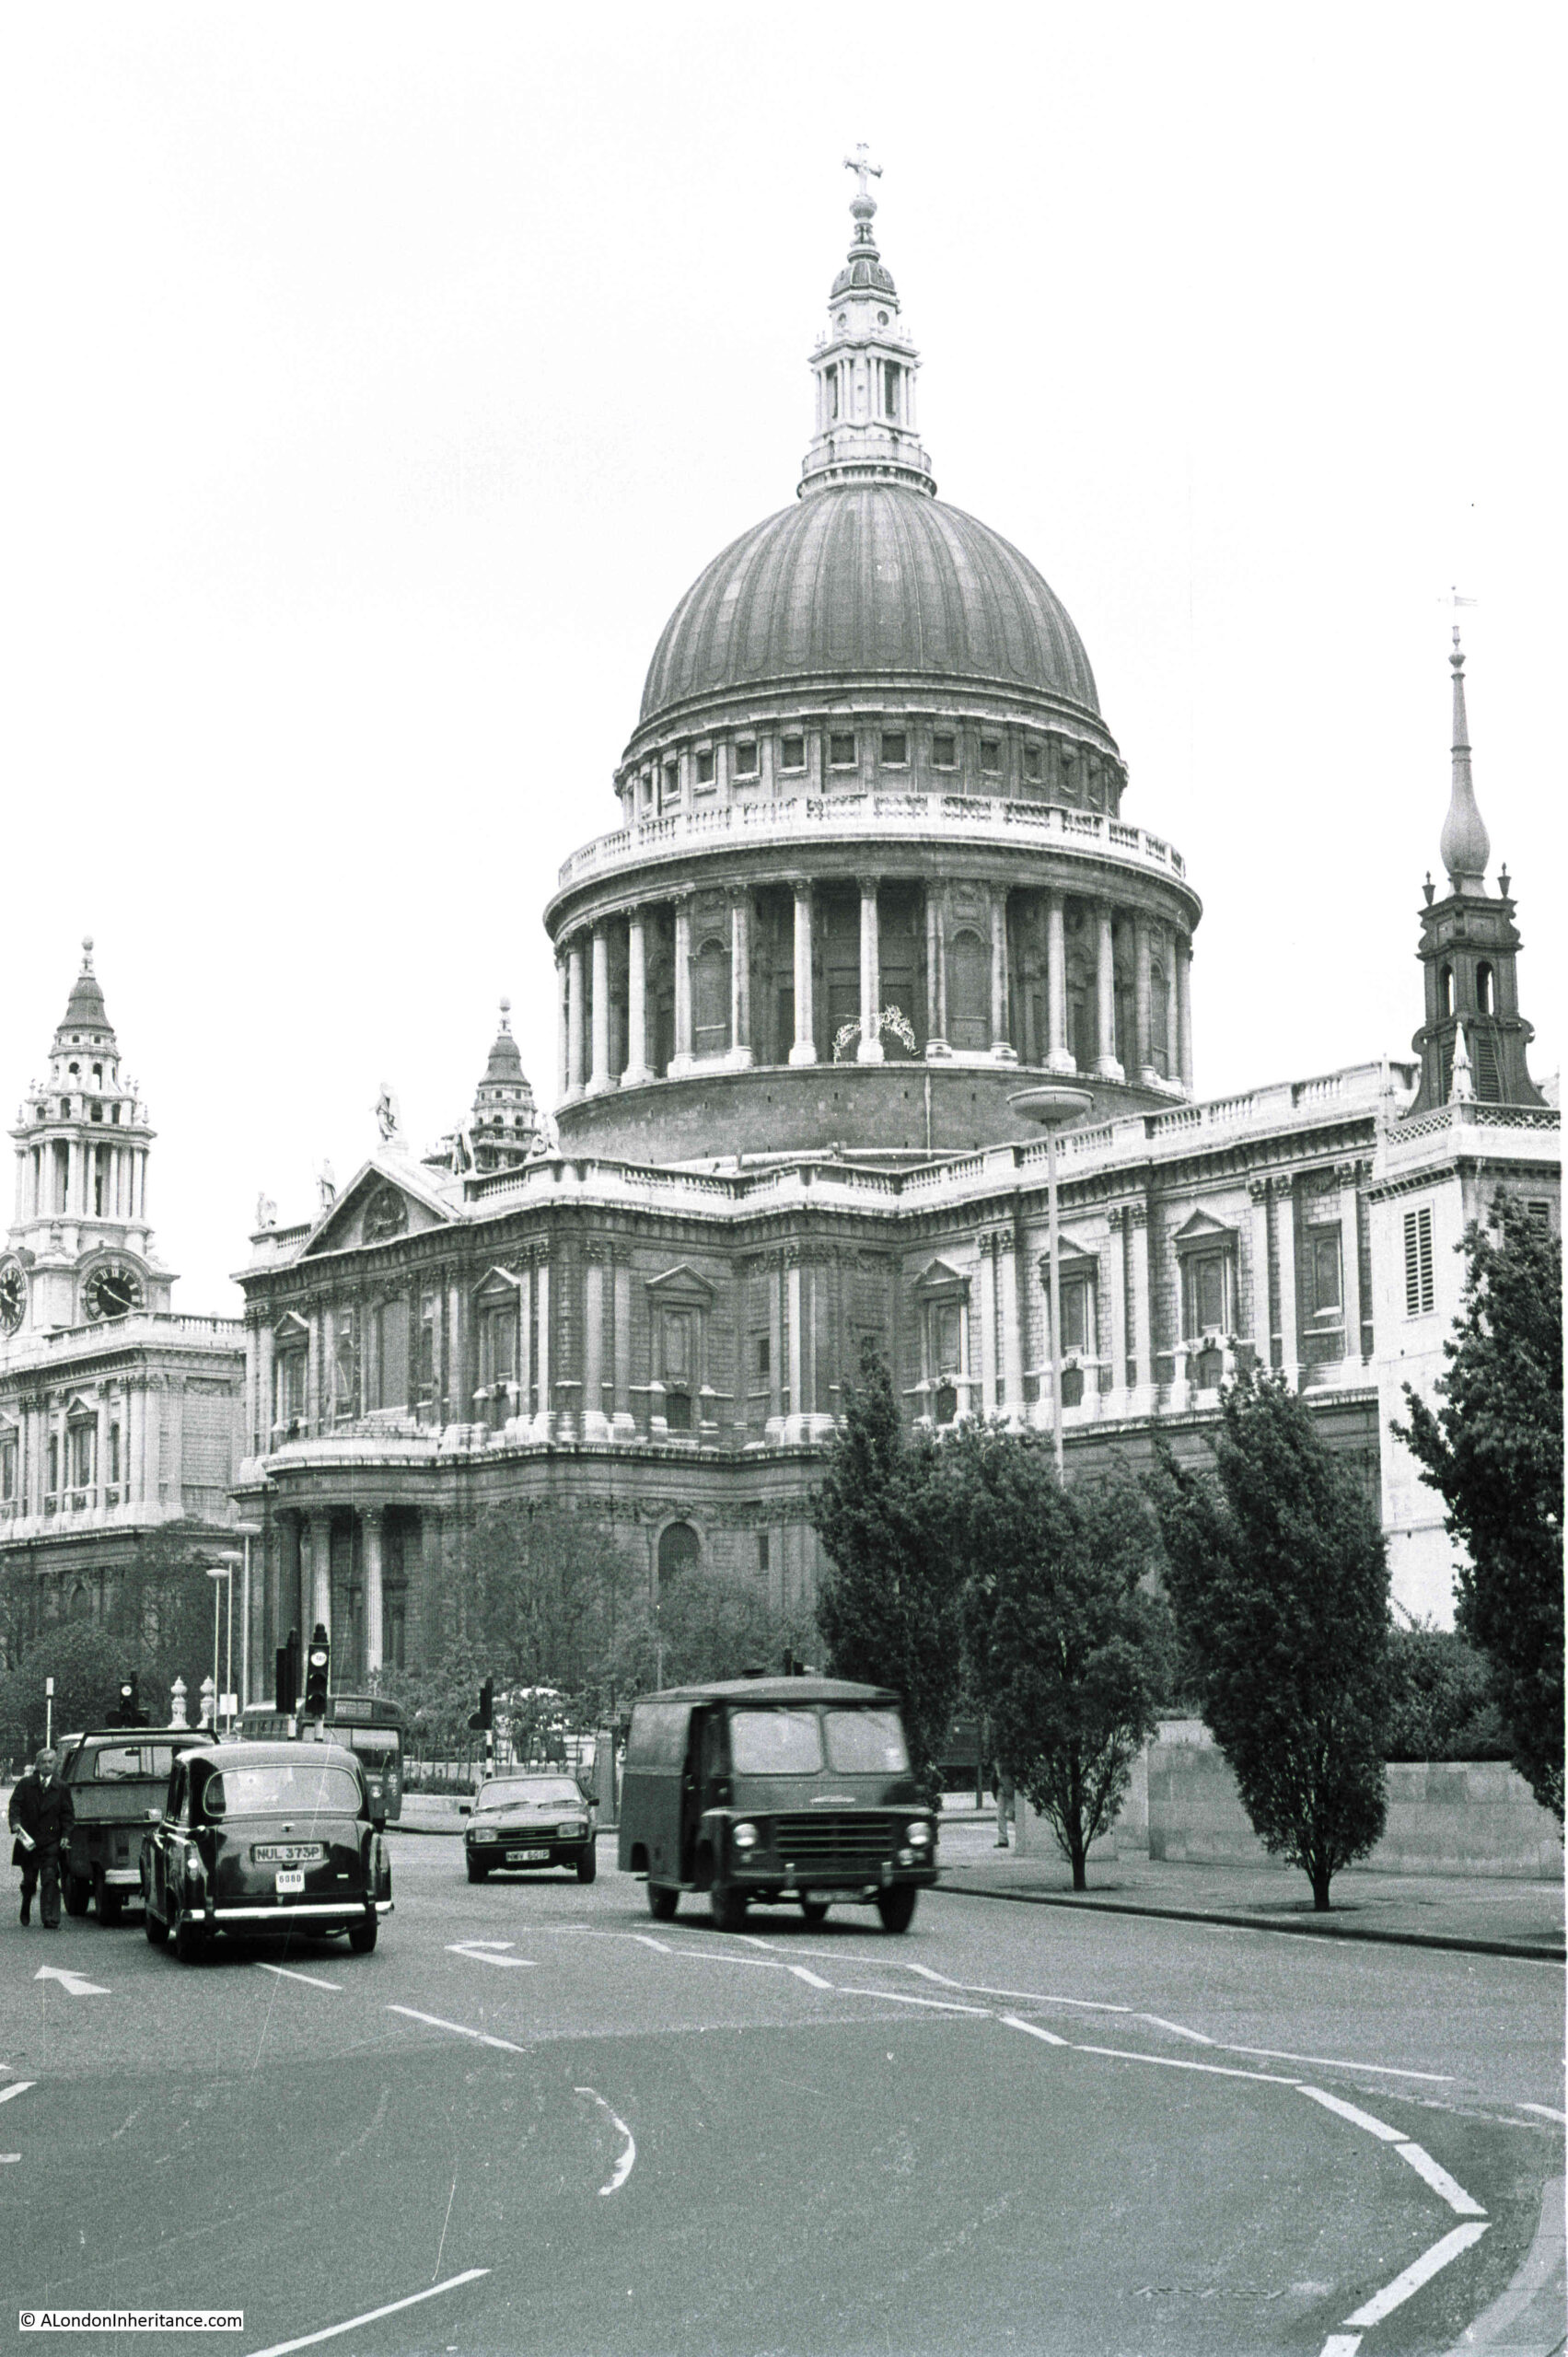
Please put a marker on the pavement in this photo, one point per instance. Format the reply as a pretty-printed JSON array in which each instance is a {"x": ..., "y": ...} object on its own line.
[{"x": 536, "y": 2123}]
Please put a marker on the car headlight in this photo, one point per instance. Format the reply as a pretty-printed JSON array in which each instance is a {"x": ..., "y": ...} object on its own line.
[
  {"x": 919, "y": 1836},
  {"x": 578, "y": 1826},
  {"x": 745, "y": 1837}
]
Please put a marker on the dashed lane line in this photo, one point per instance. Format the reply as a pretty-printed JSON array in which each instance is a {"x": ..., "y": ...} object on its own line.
[
  {"x": 1342, "y": 2344},
  {"x": 1033, "y": 2030},
  {"x": 1438, "y": 2179},
  {"x": 18, "y": 2087},
  {"x": 936, "y": 2004},
  {"x": 491, "y": 1952},
  {"x": 1179, "y": 2062},
  {"x": 1420, "y": 2270},
  {"x": 1358, "y": 2119},
  {"x": 459, "y": 2029},
  {"x": 309, "y": 1978},
  {"x": 812, "y": 1979},
  {"x": 1337, "y": 2062},
  {"x": 372, "y": 2315},
  {"x": 623, "y": 2168},
  {"x": 1545, "y": 2110}
]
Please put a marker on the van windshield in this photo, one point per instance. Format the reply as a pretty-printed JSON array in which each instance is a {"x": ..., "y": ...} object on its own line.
[
  {"x": 775, "y": 1743},
  {"x": 867, "y": 1743}
]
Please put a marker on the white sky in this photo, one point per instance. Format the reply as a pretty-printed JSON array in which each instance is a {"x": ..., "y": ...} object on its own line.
[{"x": 378, "y": 378}]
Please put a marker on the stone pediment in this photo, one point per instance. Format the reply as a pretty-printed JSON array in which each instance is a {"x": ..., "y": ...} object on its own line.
[
  {"x": 382, "y": 1202},
  {"x": 1073, "y": 1257},
  {"x": 1202, "y": 1228},
  {"x": 681, "y": 1285},
  {"x": 497, "y": 1283},
  {"x": 938, "y": 1277},
  {"x": 290, "y": 1330}
]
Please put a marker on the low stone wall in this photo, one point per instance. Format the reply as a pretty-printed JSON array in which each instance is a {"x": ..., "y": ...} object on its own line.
[{"x": 1469, "y": 1818}]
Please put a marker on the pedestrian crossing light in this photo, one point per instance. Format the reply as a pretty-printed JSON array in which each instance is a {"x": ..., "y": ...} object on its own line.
[
  {"x": 484, "y": 1718},
  {"x": 316, "y": 1660}
]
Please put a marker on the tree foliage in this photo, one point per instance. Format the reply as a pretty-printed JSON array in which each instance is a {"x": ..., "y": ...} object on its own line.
[
  {"x": 1067, "y": 1648},
  {"x": 889, "y": 1607},
  {"x": 1494, "y": 1451},
  {"x": 87, "y": 1665},
  {"x": 1443, "y": 1706},
  {"x": 1279, "y": 1580}
]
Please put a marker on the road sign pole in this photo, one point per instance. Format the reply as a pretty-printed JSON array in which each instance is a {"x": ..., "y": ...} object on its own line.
[{"x": 49, "y": 1714}]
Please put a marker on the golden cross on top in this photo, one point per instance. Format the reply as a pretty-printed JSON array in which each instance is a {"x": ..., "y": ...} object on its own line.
[{"x": 860, "y": 162}]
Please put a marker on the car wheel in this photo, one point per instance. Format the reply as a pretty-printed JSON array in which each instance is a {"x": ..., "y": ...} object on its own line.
[
  {"x": 897, "y": 1908},
  {"x": 587, "y": 1863},
  {"x": 156, "y": 1928},
  {"x": 729, "y": 1908},
  {"x": 814, "y": 1910},
  {"x": 77, "y": 1892},
  {"x": 662, "y": 1902},
  {"x": 190, "y": 1939},
  {"x": 476, "y": 1871},
  {"x": 362, "y": 1936}
]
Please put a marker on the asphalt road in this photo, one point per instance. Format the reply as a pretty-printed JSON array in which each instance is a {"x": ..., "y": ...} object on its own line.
[{"x": 1012, "y": 2129}]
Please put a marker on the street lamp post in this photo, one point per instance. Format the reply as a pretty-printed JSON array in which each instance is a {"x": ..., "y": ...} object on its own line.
[
  {"x": 1055, "y": 1107},
  {"x": 223, "y": 1569}
]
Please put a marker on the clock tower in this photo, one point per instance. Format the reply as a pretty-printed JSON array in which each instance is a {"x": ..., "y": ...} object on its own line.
[{"x": 80, "y": 1251}]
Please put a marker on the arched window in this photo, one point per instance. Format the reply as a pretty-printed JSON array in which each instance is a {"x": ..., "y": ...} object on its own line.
[
  {"x": 710, "y": 998},
  {"x": 1159, "y": 1021},
  {"x": 1483, "y": 989},
  {"x": 679, "y": 1550},
  {"x": 968, "y": 992},
  {"x": 1446, "y": 990}
]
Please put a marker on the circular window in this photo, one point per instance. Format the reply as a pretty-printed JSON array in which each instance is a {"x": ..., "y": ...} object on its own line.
[{"x": 882, "y": 318}]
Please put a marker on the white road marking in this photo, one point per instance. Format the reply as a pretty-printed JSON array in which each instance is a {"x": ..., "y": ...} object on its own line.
[
  {"x": 938, "y": 2004},
  {"x": 1176, "y": 2029},
  {"x": 21, "y": 2088},
  {"x": 372, "y": 2315},
  {"x": 459, "y": 2029},
  {"x": 1337, "y": 2062},
  {"x": 74, "y": 1983},
  {"x": 490, "y": 1943},
  {"x": 646, "y": 1940},
  {"x": 812, "y": 1979},
  {"x": 309, "y": 1978},
  {"x": 1176, "y": 2062},
  {"x": 1438, "y": 2179},
  {"x": 1342, "y": 2344},
  {"x": 623, "y": 2168},
  {"x": 1545, "y": 2110},
  {"x": 724, "y": 1956},
  {"x": 1046, "y": 2037},
  {"x": 1420, "y": 2272},
  {"x": 487, "y": 1952},
  {"x": 1337, "y": 2104}
]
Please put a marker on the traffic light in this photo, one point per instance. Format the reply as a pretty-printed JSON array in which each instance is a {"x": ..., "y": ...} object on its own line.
[
  {"x": 793, "y": 1667},
  {"x": 484, "y": 1718},
  {"x": 316, "y": 1665},
  {"x": 128, "y": 1711},
  {"x": 287, "y": 1673}
]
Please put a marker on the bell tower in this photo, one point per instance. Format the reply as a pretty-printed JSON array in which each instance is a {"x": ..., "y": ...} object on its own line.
[
  {"x": 1472, "y": 1043},
  {"x": 865, "y": 368},
  {"x": 80, "y": 1250}
]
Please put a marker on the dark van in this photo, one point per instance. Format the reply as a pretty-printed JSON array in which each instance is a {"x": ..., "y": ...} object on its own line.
[{"x": 774, "y": 1788}]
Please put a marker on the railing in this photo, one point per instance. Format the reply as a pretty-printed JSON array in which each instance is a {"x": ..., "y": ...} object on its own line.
[
  {"x": 1471, "y": 1113},
  {"x": 165, "y": 1324},
  {"x": 945, "y": 816}
]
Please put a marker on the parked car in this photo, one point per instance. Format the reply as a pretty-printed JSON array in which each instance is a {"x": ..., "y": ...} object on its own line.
[
  {"x": 517, "y": 1822},
  {"x": 265, "y": 1837},
  {"x": 118, "y": 1777}
]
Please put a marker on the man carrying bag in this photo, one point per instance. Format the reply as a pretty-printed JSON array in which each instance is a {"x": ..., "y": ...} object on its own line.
[{"x": 41, "y": 1817}]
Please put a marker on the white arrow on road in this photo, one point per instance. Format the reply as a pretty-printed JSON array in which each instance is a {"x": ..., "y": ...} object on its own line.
[
  {"x": 71, "y": 1982},
  {"x": 489, "y": 1952}
]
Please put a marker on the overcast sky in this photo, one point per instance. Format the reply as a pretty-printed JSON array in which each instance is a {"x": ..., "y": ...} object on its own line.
[{"x": 379, "y": 377}]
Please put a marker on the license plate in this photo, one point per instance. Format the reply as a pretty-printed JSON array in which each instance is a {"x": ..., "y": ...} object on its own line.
[
  {"x": 287, "y": 1853},
  {"x": 527, "y": 1857},
  {"x": 290, "y": 1878}
]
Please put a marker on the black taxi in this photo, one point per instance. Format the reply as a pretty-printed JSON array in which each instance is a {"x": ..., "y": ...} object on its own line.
[
  {"x": 265, "y": 1837},
  {"x": 775, "y": 1788}
]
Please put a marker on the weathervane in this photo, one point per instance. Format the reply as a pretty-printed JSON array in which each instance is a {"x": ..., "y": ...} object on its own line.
[{"x": 860, "y": 162}]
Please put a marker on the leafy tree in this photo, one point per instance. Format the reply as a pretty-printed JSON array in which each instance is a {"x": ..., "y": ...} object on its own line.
[
  {"x": 706, "y": 1626},
  {"x": 87, "y": 1665},
  {"x": 1278, "y": 1576},
  {"x": 888, "y": 1608},
  {"x": 546, "y": 1587},
  {"x": 1494, "y": 1451},
  {"x": 1443, "y": 1707},
  {"x": 1068, "y": 1650}
]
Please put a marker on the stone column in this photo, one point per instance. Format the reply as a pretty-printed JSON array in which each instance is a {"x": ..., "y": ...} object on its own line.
[
  {"x": 1345, "y": 1178},
  {"x": 1059, "y": 1055},
  {"x": 1007, "y": 1263},
  {"x": 1143, "y": 1306},
  {"x": 1284, "y": 1240},
  {"x": 544, "y": 1421},
  {"x": 1172, "y": 1022},
  {"x": 432, "y": 1586},
  {"x": 1143, "y": 1058},
  {"x": 775, "y": 1349},
  {"x": 575, "y": 1043},
  {"x": 593, "y": 1424},
  {"x": 321, "y": 1575},
  {"x": 564, "y": 1024},
  {"x": 935, "y": 972},
  {"x": 636, "y": 1069},
  {"x": 525, "y": 1343},
  {"x": 1107, "y": 1064},
  {"x": 1263, "y": 1323},
  {"x": 869, "y": 1051},
  {"x": 805, "y": 1049},
  {"x": 682, "y": 1061},
  {"x": 624, "y": 1422},
  {"x": 740, "y": 979},
  {"x": 1000, "y": 1046},
  {"x": 264, "y": 1381},
  {"x": 985, "y": 1277},
  {"x": 600, "y": 1078},
  {"x": 794, "y": 1428},
  {"x": 371, "y": 1523},
  {"x": 1184, "y": 1008},
  {"x": 1116, "y": 1303},
  {"x": 101, "y": 1451}
]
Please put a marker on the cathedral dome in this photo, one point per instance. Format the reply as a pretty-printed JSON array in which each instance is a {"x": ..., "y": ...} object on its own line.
[{"x": 864, "y": 578}]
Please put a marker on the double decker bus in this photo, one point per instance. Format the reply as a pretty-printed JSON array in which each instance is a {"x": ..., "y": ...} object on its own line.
[{"x": 369, "y": 1724}]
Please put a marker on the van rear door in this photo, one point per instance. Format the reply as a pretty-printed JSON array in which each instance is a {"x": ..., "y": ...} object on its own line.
[{"x": 651, "y": 1787}]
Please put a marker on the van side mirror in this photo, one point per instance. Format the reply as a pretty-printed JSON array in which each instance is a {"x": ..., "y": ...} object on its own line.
[{"x": 464, "y": 1809}]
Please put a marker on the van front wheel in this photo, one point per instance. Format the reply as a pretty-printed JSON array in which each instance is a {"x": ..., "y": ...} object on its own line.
[
  {"x": 897, "y": 1908},
  {"x": 729, "y": 1908},
  {"x": 662, "y": 1902}
]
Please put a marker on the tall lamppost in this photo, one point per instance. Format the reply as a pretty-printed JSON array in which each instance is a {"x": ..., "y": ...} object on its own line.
[
  {"x": 1056, "y": 1106},
  {"x": 223, "y": 1569}
]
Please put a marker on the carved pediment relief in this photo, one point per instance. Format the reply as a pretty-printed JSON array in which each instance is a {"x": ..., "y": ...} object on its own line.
[
  {"x": 1202, "y": 1228},
  {"x": 680, "y": 1286},
  {"x": 377, "y": 1207},
  {"x": 937, "y": 1276}
]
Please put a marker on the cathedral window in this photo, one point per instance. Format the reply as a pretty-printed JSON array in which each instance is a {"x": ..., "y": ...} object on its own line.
[
  {"x": 792, "y": 754},
  {"x": 1446, "y": 990},
  {"x": 7, "y": 1469},
  {"x": 841, "y": 752},
  {"x": 81, "y": 1438},
  {"x": 1325, "y": 1291},
  {"x": 1208, "y": 1289},
  {"x": 969, "y": 991},
  {"x": 705, "y": 765},
  {"x": 895, "y": 749},
  {"x": 1483, "y": 989},
  {"x": 346, "y": 1364},
  {"x": 53, "y": 1465},
  {"x": 1419, "y": 1289},
  {"x": 671, "y": 785},
  {"x": 892, "y": 372},
  {"x": 944, "y": 752},
  {"x": 114, "y": 1112},
  {"x": 426, "y": 1385},
  {"x": 831, "y": 383},
  {"x": 114, "y": 1456},
  {"x": 1034, "y": 764},
  {"x": 746, "y": 758},
  {"x": 764, "y": 1554},
  {"x": 991, "y": 756}
]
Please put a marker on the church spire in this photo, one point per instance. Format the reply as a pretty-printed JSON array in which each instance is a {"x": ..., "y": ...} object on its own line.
[
  {"x": 865, "y": 367},
  {"x": 1465, "y": 845}
]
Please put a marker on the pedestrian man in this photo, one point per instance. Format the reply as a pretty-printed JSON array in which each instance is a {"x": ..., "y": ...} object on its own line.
[{"x": 42, "y": 1818}]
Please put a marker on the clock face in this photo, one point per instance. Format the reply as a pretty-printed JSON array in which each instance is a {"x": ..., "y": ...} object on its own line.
[
  {"x": 113, "y": 1291},
  {"x": 13, "y": 1296}
]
